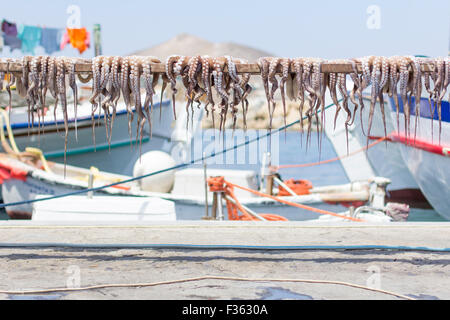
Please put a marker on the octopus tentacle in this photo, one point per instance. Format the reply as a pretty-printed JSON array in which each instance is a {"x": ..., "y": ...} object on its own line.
[
  {"x": 43, "y": 80},
  {"x": 237, "y": 90},
  {"x": 394, "y": 76},
  {"x": 341, "y": 80},
  {"x": 149, "y": 88},
  {"x": 263, "y": 64},
  {"x": 126, "y": 92},
  {"x": 403, "y": 83},
  {"x": 285, "y": 75},
  {"x": 312, "y": 98},
  {"x": 417, "y": 90},
  {"x": 438, "y": 88},
  {"x": 246, "y": 89},
  {"x": 135, "y": 76},
  {"x": 375, "y": 92},
  {"x": 332, "y": 88},
  {"x": 206, "y": 62},
  {"x": 96, "y": 82},
  {"x": 356, "y": 90},
  {"x": 70, "y": 67},
  {"x": 60, "y": 82},
  {"x": 219, "y": 85},
  {"x": 273, "y": 68},
  {"x": 384, "y": 78},
  {"x": 298, "y": 89}
]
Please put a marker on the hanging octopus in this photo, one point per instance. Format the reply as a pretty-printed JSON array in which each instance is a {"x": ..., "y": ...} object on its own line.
[
  {"x": 150, "y": 82},
  {"x": 401, "y": 77},
  {"x": 403, "y": 64},
  {"x": 206, "y": 83},
  {"x": 218, "y": 65},
  {"x": 298, "y": 88},
  {"x": 70, "y": 68},
  {"x": 174, "y": 66},
  {"x": 96, "y": 90},
  {"x": 61, "y": 85},
  {"x": 246, "y": 89},
  {"x": 439, "y": 71}
]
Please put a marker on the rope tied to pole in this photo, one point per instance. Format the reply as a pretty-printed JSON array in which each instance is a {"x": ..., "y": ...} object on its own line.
[{"x": 219, "y": 184}]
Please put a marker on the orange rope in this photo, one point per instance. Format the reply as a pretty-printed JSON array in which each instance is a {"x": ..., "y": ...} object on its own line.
[
  {"x": 219, "y": 184},
  {"x": 303, "y": 165},
  {"x": 298, "y": 205}
]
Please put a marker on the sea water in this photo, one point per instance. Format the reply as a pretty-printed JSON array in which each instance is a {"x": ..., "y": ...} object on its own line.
[{"x": 286, "y": 148}]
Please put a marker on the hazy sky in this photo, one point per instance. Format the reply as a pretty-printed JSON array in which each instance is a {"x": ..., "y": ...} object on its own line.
[{"x": 328, "y": 29}]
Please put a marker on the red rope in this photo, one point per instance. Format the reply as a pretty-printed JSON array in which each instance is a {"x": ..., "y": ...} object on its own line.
[{"x": 303, "y": 165}]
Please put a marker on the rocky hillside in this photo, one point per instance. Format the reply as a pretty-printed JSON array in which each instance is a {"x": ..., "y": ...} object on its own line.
[{"x": 189, "y": 45}]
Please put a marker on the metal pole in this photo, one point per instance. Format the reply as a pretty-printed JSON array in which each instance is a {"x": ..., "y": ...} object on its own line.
[
  {"x": 206, "y": 187},
  {"x": 264, "y": 170},
  {"x": 220, "y": 206},
  {"x": 97, "y": 40},
  {"x": 285, "y": 186},
  {"x": 90, "y": 185},
  {"x": 214, "y": 207}
]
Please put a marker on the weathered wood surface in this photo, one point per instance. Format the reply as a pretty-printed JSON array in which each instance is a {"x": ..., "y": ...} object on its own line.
[{"x": 251, "y": 68}]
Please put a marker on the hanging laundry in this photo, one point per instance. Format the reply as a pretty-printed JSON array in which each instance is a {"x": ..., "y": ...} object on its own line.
[
  {"x": 12, "y": 41},
  {"x": 51, "y": 39},
  {"x": 78, "y": 38},
  {"x": 9, "y": 28},
  {"x": 30, "y": 36}
]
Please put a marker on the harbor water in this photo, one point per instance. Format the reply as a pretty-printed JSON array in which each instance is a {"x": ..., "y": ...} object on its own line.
[{"x": 286, "y": 148}]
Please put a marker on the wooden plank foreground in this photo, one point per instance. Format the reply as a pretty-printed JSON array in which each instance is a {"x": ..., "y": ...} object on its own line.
[{"x": 252, "y": 68}]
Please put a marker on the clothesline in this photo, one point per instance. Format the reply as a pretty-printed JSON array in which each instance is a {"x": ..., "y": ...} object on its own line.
[
  {"x": 85, "y": 66},
  {"x": 27, "y": 38}
]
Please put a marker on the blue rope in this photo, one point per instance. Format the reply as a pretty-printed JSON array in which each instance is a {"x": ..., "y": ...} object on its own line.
[
  {"x": 181, "y": 165},
  {"x": 218, "y": 246}
]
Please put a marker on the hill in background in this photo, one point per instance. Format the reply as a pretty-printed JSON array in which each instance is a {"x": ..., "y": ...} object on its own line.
[{"x": 189, "y": 45}]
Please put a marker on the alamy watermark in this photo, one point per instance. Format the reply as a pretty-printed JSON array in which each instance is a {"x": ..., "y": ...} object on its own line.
[
  {"x": 373, "y": 21},
  {"x": 74, "y": 278},
  {"x": 74, "y": 19},
  {"x": 243, "y": 147},
  {"x": 374, "y": 280}
]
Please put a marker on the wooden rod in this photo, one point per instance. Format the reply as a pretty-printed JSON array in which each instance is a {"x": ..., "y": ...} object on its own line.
[{"x": 252, "y": 68}]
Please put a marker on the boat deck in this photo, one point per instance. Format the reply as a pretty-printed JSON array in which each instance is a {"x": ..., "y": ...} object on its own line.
[{"x": 38, "y": 255}]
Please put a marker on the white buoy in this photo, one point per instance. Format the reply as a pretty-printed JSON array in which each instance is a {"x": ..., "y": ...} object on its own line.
[{"x": 153, "y": 161}]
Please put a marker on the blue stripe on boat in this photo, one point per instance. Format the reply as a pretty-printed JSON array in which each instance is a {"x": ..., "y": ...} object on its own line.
[
  {"x": 81, "y": 119},
  {"x": 425, "y": 111}
]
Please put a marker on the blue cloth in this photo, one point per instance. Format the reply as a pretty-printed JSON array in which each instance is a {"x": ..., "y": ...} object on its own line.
[
  {"x": 9, "y": 28},
  {"x": 30, "y": 37},
  {"x": 51, "y": 39},
  {"x": 12, "y": 41}
]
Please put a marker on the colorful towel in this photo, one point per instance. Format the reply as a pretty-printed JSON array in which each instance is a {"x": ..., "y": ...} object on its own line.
[
  {"x": 30, "y": 37},
  {"x": 78, "y": 38},
  {"x": 9, "y": 28},
  {"x": 12, "y": 41},
  {"x": 51, "y": 39}
]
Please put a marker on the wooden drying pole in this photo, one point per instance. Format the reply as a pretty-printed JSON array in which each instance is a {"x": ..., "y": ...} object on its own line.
[{"x": 85, "y": 65}]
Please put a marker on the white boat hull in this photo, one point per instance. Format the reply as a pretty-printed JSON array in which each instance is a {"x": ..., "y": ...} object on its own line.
[
  {"x": 119, "y": 156},
  {"x": 37, "y": 183},
  {"x": 429, "y": 168},
  {"x": 383, "y": 159}
]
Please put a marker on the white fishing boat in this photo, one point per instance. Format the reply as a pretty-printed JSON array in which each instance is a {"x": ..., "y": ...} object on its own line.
[
  {"x": 118, "y": 155},
  {"x": 415, "y": 164},
  {"x": 425, "y": 154},
  {"x": 24, "y": 181}
]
